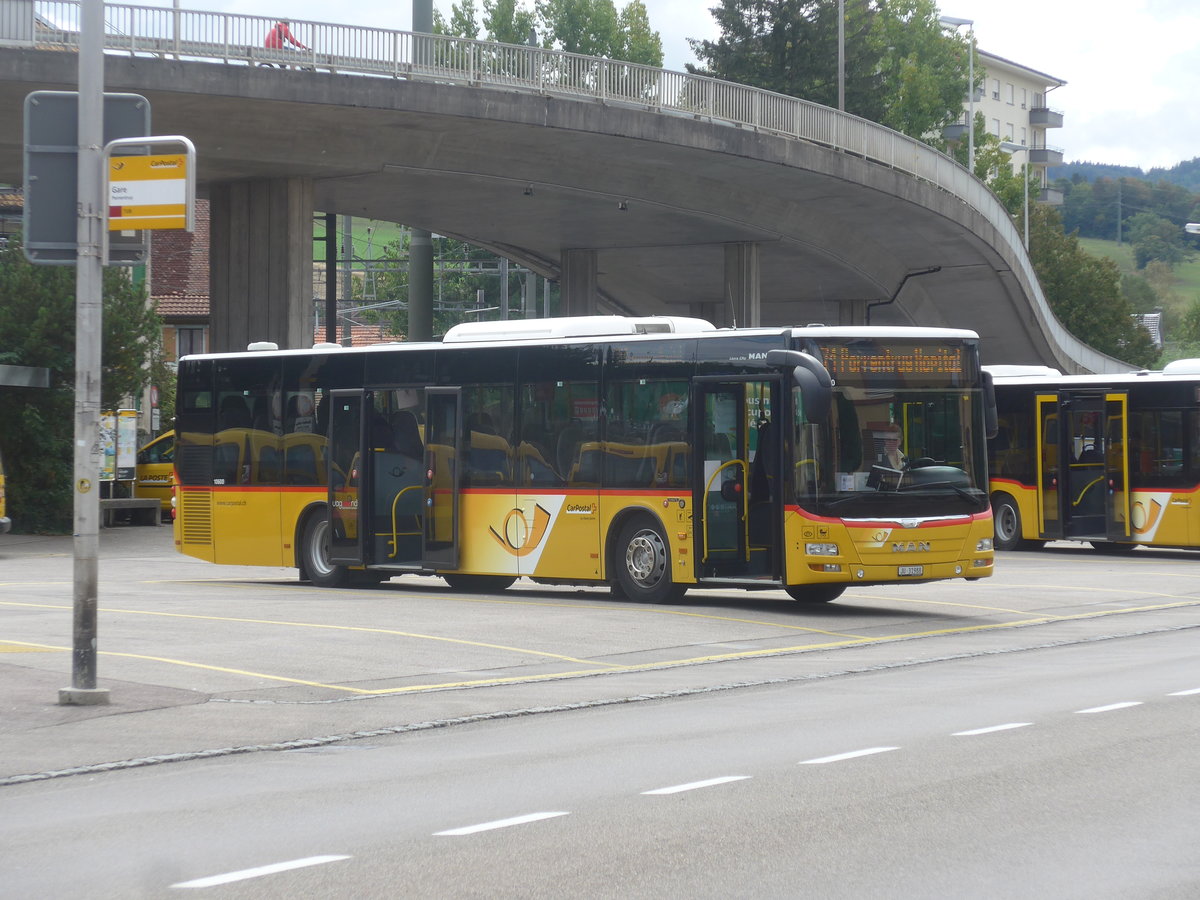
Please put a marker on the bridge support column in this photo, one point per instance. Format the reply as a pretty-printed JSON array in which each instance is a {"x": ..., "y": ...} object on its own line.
[
  {"x": 261, "y": 263},
  {"x": 579, "y": 292},
  {"x": 742, "y": 286},
  {"x": 852, "y": 312}
]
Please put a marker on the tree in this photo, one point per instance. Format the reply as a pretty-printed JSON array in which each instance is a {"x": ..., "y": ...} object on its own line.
[
  {"x": 596, "y": 28},
  {"x": 1083, "y": 292},
  {"x": 902, "y": 69},
  {"x": 1154, "y": 237},
  {"x": 37, "y": 328}
]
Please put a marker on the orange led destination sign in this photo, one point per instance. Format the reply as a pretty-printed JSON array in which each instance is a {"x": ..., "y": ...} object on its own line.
[{"x": 866, "y": 362}]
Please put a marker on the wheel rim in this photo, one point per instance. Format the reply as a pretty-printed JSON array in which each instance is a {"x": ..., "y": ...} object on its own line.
[
  {"x": 646, "y": 558},
  {"x": 1006, "y": 522},
  {"x": 318, "y": 549}
]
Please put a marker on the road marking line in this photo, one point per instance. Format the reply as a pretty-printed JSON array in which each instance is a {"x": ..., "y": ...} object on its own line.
[
  {"x": 853, "y": 754},
  {"x": 990, "y": 729},
  {"x": 499, "y": 823},
  {"x": 244, "y": 874},
  {"x": 694, "y": 785},
  {"x": 1110, "y": 707},
  {"x": 1184, "y": 693}
]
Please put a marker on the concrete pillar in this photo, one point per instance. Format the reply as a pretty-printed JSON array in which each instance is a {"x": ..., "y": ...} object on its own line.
[
  {"x": 852, "y": 312},
  {"x": 742, "y": 285},
  {"x": 261, "y": 263},
  {"x": 579, "y": 291}
]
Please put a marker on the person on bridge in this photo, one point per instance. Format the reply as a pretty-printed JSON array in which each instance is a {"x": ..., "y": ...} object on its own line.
[{"x": 280, "y": 36}]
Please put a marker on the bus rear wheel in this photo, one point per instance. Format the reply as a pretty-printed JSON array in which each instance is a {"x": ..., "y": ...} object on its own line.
[
  {"x": 314, "y": 550},
  {"x": 1006, "y": 520},
  {"x": 479, "y": 584},
  {"x": 815, "y": 593},
  {"x": 643, "y": 564}
]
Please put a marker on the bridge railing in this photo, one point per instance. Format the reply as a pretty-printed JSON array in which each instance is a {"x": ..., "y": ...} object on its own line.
[{"x": 239, "y": 40}]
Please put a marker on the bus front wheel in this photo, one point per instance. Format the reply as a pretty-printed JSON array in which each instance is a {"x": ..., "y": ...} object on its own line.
[
  {"x": 1006, "y": 520},
  {"x": 315, "y": 554},
  {"x": 643, "y": 564}
]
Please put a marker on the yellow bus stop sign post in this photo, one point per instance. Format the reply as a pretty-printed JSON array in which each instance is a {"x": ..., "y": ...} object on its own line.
[{"x": 150, "y": 191}]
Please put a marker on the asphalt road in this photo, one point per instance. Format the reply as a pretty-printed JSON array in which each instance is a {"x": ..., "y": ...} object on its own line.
[
  {"x": 334, "y": 737},
  {"x": 1066, "y": 772}
]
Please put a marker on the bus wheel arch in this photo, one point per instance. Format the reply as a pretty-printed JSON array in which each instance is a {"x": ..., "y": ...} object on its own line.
[
  {"x": 639, "y": 556},
  {"x": 312, "y": 551},
  {"x": 1006, "y": 521}
]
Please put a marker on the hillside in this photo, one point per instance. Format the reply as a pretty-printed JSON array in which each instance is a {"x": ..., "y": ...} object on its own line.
[{"x": 1185, "y": 174}]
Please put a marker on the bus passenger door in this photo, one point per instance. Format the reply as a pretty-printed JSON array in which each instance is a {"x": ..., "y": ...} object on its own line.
[
  {"x": 443, "y": 451},
  {"x": 1116, "y": 467},
  {"x": 1047, "y": 452},
  {"x": 737, "y": 497},
  {"x": 1082, "y": 470},
  {"x": 346, "y": 466}
]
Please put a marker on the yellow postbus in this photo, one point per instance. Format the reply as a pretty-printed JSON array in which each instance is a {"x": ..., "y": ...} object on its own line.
[
  {"x": 1113, "y": 460},
  {"x": 652, "y": 455}
]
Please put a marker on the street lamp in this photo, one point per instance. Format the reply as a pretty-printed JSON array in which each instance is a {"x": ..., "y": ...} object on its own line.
[
  {"x": 951, "y": 22},
  {"x": 1012, "y": 148}
]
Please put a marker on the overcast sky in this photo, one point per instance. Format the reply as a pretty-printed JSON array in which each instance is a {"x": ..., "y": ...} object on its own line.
[{"x": 1132, "y": 69}]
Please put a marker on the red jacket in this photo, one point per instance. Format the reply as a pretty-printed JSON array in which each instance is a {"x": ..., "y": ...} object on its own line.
[{"x": 280, "y": 36}]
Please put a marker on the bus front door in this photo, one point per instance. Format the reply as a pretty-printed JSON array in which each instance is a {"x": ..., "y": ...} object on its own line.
[
  {"x": 345, "y": 476},
  {"x": 1116, "y": 467},
  {"x": 1082, "y": 470},
  {"x": 443, "y": 452},
  {"x": 1047, "y": 452},
  {"x": 737, "y": 501}
]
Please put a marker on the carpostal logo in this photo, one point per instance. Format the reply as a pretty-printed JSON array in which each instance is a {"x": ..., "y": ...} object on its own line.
[
  {"x": 579, "y": 509},
  {"x": 518, "y": 535}
]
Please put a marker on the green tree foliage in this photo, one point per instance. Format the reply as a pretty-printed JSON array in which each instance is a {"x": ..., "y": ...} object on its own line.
[
  {"x": 902, "y": 69},
  {"x": 1084, "y": 292},
  {"x": 1154, "y": 237},
  {"x": 1092, "y": 208},
  {"x": 37, "y": 328},
  {"x": 597, "y": 28}
]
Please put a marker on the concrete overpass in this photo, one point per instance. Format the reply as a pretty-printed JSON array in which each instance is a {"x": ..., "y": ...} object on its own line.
[{"x": 642, "y": 191}]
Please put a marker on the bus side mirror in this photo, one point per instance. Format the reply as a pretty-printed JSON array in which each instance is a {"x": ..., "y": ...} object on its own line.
[
  {"x": 811, "y": 377},
  {"x": 991, "y": 418}
]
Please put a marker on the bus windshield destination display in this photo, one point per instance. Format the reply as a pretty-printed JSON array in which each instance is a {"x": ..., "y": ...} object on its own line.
[{"x": 872, "y": 361}]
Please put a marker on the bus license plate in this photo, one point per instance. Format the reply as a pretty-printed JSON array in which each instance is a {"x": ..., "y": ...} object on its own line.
[{"x": 911, "y": 570}]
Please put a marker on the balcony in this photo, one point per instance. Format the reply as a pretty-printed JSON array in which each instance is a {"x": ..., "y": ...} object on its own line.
[
  {"x": 1045, "y": 156},
  {"x": 1045, "y": 117},
  {"x": 1050, "y": 197},
  {"x": 955, "y": 132}
]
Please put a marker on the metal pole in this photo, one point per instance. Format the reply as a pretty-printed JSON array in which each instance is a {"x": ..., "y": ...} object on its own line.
[
  {"x": 331, "y": 278},
  {"x": 89, "y": 287},
  {"x": 971, "y": 104},
  {"x": 842, "y": 55},
  {"x": 1027, "y": 202},
  {"x": 347, "y": 291}
]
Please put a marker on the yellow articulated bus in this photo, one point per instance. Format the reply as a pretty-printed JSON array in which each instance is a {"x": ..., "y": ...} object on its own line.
[
  {"x": 652, "y": 455},
  {"x": 1113, "y": 460},
  {"x": 5, "y": 521}
]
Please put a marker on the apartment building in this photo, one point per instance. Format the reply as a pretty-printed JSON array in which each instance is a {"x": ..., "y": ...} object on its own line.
[{"x": 1015, "y": 104}]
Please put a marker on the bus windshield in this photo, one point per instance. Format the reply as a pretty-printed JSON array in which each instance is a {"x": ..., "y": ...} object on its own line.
[{"x": 904, "y": 437}]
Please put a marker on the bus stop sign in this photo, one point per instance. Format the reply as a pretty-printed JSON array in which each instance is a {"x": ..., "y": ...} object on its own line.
[{"x": 52, "y": 175}]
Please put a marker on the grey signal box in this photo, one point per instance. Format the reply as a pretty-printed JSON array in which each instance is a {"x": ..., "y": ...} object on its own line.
[{"x": 52, "y": 175}]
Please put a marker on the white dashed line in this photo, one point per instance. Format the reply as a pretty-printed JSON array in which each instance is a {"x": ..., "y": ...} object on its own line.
[
  {"x": 499, "y": 823},
  {"x": 990, "y": 729},
  {"x": 1184, "y": 693},
  {"x": 691, "y": 786},
  {"x": 841, "y": 756},
  {"x": 1110, "y": 707},
  {"x": 244, "y": 874}
]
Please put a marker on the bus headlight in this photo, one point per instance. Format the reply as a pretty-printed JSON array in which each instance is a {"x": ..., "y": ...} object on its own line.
[
  {"x": 821, "y": 549},
  {"x": 983, "y": 545}
]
